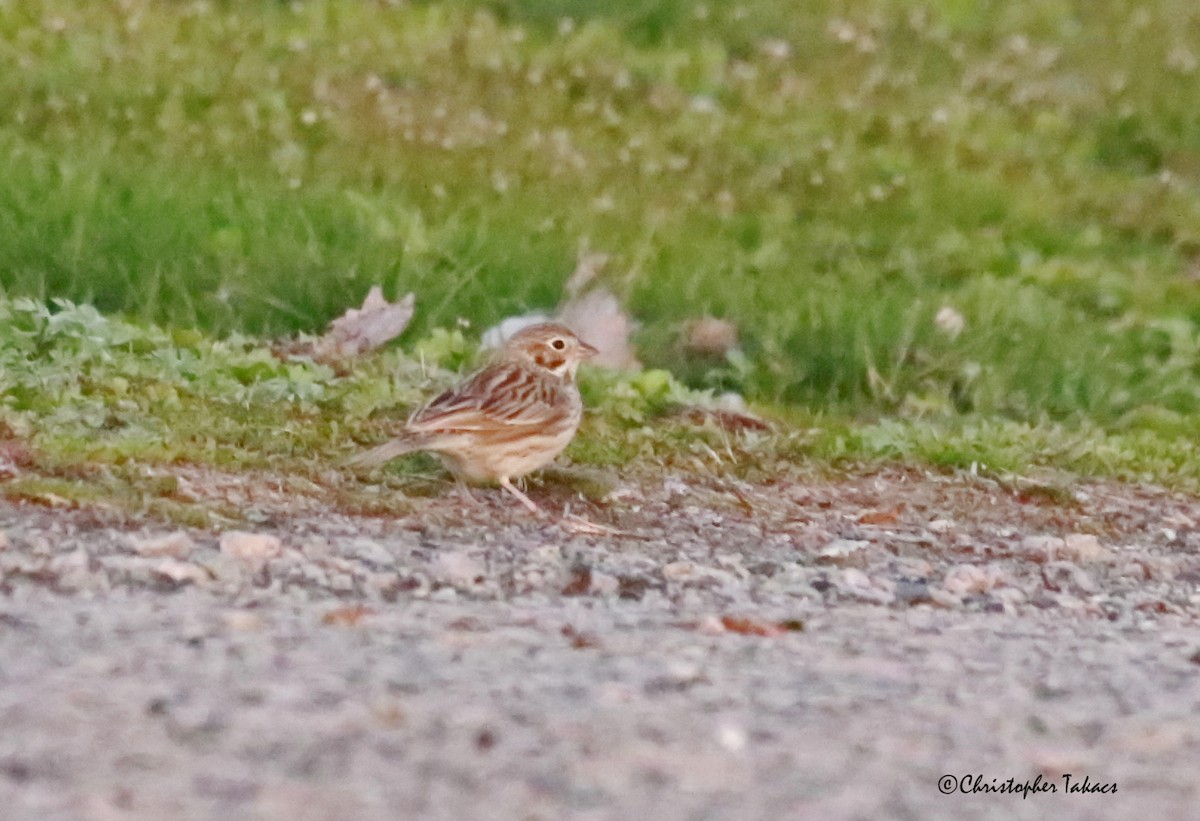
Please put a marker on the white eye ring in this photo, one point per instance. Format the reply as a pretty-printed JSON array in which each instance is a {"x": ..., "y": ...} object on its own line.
[{"x": 558, "y": 344}]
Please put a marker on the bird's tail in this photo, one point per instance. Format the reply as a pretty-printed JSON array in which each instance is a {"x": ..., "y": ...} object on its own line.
[{"x": 378, "y": 455}]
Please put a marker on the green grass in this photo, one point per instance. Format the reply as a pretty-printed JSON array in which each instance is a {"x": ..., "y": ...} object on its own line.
[
  {"x": 827, "y": 175},
  {"x": 101, "y": 411}
]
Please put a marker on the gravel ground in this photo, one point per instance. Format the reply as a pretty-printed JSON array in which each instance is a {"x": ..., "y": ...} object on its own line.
[{"x": 825, "y": 649}]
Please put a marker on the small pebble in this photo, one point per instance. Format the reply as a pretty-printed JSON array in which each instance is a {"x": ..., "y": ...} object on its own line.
[
  {"x": 252, "y": 548},
  {"x": 177, "y": 545},
  {"x": 459, "y": 568}
]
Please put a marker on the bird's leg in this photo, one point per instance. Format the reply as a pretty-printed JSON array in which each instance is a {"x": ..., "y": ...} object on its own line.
[
  {"x": 463, "y": 491},
  {"x": 574, "y": 524},
  {"x": 521, "y": 497}
]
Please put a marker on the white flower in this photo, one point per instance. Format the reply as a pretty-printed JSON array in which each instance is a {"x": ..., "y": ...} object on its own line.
[{"x": 950, "y": 321}]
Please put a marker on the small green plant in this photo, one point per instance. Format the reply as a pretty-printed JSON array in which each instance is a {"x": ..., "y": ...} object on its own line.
[{"x": 106, "y": 409}]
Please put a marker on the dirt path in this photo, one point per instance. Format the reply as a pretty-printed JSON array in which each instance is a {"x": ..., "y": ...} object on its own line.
[{"x": 808, "y": 649}]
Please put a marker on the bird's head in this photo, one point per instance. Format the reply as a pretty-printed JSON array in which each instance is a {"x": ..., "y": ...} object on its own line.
[{"x": 551, "y": 346}]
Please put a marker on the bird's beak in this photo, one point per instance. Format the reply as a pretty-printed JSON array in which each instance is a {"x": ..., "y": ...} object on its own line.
[{"x": 587, "y": 350}]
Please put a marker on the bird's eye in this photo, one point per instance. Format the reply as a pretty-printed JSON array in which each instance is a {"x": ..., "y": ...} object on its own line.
[{"x": 558, "y": 344}]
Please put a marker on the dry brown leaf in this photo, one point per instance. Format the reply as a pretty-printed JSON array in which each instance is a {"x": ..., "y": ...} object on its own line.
[
  {"x": 364, "y": 329},
  {"x": 733, "y": 421},
  {"x": 580, "y": 582},
  {"x": 580, "y": 639},
  {"x": 15, "y": 454},
  {"x": 597, "y": 318},
  {"x": 594, "y": 313},
  {"x": 348, "y": 616},
  {"x": 710, "y": 337},
  {"x": 880, "y": 517},
  {"x": 748, "y": 626},
  {"x": 467, "y": 624}
]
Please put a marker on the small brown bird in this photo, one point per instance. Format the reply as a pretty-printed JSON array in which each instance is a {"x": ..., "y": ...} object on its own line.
[{"x": 507, "y": 420}]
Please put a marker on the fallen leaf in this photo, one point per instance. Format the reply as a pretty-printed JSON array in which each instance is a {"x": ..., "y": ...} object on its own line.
[
  {"x": 15, "y": 455},
  {"x": 743, "y": 502},
  {"x": 880, "y": 517},
  {"x": 597, "y": 318},
  {"x": 748, "y": 626},
  {"x": 710, "y": 337},
  {"x": 581, "y": 581},
  {"x": 580, "y": 640},
  {"x": 594, "y": 313},
  {"x": 348, "y": 616},
  {"x": 733, "y": 421},
  {"x": 51, "y": 500},
  {"x": 468, "y": 624},
  {"x": 364, "y": 329}
]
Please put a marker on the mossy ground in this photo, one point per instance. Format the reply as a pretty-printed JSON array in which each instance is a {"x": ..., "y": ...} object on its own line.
[{"x": 101, "y": 411}]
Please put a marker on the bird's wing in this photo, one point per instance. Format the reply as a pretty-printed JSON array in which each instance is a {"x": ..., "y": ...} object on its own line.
[{"x": 499, "y": 396}]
